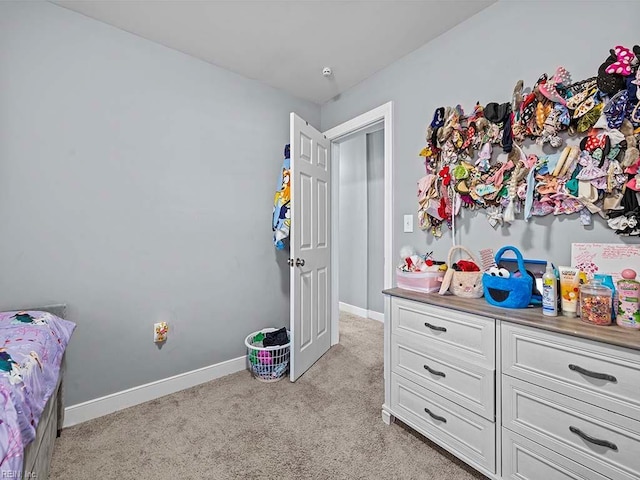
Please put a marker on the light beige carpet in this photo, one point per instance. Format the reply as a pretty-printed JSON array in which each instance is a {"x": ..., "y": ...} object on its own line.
[{"x": 327, "y": 425}]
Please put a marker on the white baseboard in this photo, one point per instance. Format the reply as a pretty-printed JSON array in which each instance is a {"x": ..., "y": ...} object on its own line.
[
  {"x": 134, "y": 396},
  {"x": 362, "y": 312}
]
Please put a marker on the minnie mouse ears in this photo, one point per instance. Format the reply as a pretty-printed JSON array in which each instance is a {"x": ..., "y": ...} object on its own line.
[
  {"x": 622, "y": 65},
  {"x": 610, "y": 83}
]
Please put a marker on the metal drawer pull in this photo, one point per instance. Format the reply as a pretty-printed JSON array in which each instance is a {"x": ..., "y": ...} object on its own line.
[
  {"x": 602, "y": 443},
  {"x": 434, "y": 372},
  {"x": 435, "y": 417},
  {"x": 435, "y": 327},
  {"x": 588, "y": 373}
]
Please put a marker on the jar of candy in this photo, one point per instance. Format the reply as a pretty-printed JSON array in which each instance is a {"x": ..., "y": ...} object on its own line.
[{"x": 595, "y": 303}]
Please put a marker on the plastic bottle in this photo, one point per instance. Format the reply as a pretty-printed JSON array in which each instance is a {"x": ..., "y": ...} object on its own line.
[
  {"x": 629, "y": 300},
  {"x": 549, "y": 292}
]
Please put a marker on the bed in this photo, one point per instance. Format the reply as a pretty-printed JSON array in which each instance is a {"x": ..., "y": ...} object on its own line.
[{"x": 32, "y": 364}]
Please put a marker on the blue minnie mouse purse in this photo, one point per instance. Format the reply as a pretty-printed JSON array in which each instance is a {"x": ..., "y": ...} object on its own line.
[{"x": 508, "y": 290}]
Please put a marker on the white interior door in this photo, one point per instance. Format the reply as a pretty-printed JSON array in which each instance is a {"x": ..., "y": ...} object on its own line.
[{"x": 310, "y": 246}]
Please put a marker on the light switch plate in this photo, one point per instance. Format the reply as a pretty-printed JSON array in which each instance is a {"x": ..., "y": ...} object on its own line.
[{"x": 408, "y": 223}]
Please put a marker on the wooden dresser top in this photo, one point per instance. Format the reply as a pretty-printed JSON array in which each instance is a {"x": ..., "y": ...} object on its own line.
[{"x": 532, "y": 317}]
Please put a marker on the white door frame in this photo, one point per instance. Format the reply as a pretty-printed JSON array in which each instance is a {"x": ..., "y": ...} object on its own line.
[{"x": 382, "y": 113}]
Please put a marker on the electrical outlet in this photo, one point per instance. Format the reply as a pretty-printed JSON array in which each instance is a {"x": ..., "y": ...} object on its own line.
[
  {"x": 160, "y": 331},
  {"x": 408, "y": 223}
]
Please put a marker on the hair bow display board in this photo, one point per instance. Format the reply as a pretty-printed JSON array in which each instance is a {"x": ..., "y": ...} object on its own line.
[{"x": 597, "y": 175}]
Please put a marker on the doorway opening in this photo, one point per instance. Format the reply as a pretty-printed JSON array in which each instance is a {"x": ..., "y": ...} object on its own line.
[
  {"x": 367, "y": 123},
  {"x": 359, "y": 157}
]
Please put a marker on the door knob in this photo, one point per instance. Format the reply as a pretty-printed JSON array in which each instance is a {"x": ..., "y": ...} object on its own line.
[{"x": 299, "y": 262}]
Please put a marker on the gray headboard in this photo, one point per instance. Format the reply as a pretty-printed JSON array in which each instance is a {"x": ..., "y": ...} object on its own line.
[{"x": 59, "y": 310}]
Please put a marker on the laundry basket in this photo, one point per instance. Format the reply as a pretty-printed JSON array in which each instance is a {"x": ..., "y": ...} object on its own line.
[{"x": 267, "y": 364}]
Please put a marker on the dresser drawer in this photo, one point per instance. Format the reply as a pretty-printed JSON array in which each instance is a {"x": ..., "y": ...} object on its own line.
[
  {"x": 570, "y": 365},
  {"x": 470, "y": 335},
  {"x": 464, "y": 383},
  {"x": 599, "y": 439},
  {"x": 523, "y": 459},
  {"x": 462, "y": 432}
]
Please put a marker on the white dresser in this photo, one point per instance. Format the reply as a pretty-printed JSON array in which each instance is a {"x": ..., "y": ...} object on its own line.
[{"x": 510, "y": 399}]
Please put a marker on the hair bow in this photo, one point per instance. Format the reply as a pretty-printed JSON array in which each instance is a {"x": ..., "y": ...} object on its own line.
[
  {"x": 470, "y": 134},
  {"x": 623, "y": 64},
  {"x": 494, "y": 215},
  {"x": 593, "y": 142},
  {"x": 530, "y": 161},
  {"x": 478, "y": 112},
  {"x": 429, "y": 151},
  {"x": 497, "y": 178},
  {"x": 549, "y": 89},
  {"x": 438, "y": 118},
  {"x": 425, "y": 188},
  {"x": 445, "y": 175},
  {"x": 591, "y": 169},
  {"x": 528, "y": 107},
  {"x": 484, "y": 158},
  {"x": 564, "y": 118},
  {"x": 616, "y": 109}
]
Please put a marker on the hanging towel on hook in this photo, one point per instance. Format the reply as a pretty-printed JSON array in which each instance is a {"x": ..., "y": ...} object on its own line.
[{"x": 281, "y": 220}]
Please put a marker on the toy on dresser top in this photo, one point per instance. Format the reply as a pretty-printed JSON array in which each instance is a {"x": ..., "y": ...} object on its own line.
[
  {"x": 413, "y": 262},
  {"x": 505, "y": 289},
  {"x": 463, "y": 278},
  {"x": 419, "y": 272},
  {"x": 504, "y": 282}
]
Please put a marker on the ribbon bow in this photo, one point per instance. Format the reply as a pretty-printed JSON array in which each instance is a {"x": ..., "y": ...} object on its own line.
[
  {"x": 494, "y": 216},
  {"x": 430, "y": 151},
  {"x": 445, "y": 175},
  {"x": 484, "y": 157},
  {"x": 438, "y": 118},
  {"x": 564, "y": 118},
  {"x": 590, "y": 169},
  {"x": 623, "y": 64},
  {"x": 497, "y": 177},
  {"x": 616, "y": 109},
  {"x": 549, "y": 88},
  {"x": 425, "y": 188}
]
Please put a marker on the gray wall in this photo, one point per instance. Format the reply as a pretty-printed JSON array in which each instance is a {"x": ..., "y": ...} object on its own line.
[
  {"x": 375, "y": 221},
  {"x": 136, "y": 185},
  {"x": 352, "y": 221},
  {"x": 481, "y": 60},
  {"x": 361, "y": 220}
]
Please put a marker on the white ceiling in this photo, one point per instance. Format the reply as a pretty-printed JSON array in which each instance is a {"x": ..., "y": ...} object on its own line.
[{"x": 286, "y": 44}]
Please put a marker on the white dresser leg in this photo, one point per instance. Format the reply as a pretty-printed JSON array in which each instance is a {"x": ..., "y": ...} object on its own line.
[{"x": 387, "y": 417}]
